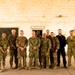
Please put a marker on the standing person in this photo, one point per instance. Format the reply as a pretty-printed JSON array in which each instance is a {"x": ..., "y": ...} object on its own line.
[
  {"x": 54, "y": 49},
  {"x": 34, "y": 44},
  {"x": 21, "y": 43},
  {"x": 61, "y": 51},
  {"x": 13, "y": 48},
  {"x": 3, "y": 47},
  {"x": 71, "y": 47},
  {"x": 45, "y": 50},
  {"x": 51, "y": 56}
]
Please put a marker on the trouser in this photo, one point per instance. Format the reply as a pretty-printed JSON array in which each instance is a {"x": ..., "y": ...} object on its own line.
[
  {"x": 51, "y": 58},
  {"x": 40, "y": 57},
  {"x": 33, "y": 55},
  {"x": 13, "y": 56},
  {"x": 3, "y": 59},
  {"x": 0, "y": 64},
  {"x": 22, "y": 56},
  {"x": 54, "y": 59},
  {"x": 20, "y": 61},
  {"x": 43, "y": 59},
  {"x": 61, "y": 52},
  {"x": 70, "y": 53}
]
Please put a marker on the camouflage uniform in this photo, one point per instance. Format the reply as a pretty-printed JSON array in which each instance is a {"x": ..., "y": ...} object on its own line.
[
  {"x": 34, "y": 53},
  {"x": 21, "y": 42},
  {"x": 0, "y": 57},
  {"x": 13, "y": 49},
  {"x": 55, "y": 46},
  {"x": 71, "y": 49},
  {"x": 3, "y": 46},
  {"x": 45, "y": 48}
]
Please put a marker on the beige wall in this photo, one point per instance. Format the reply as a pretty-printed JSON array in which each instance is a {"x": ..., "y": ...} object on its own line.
[{"x": 27, "y": 13}]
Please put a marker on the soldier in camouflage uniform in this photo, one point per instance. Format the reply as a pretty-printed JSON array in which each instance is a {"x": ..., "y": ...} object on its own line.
[
  {"x": 3, "y": 47},
  {"x": 21, "y": 44},
  {"x": 1, "y": 52},
  {"x": 45, "y": 49},
  {"x": 13, "y": 48},
  {"x": 71, "y": 47},
  {"x": 34, "y": 44},
  {"x": 54, "y": 49}
]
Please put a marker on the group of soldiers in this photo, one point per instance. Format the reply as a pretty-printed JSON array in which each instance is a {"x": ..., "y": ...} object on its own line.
[{"x": 44, "y": 52}]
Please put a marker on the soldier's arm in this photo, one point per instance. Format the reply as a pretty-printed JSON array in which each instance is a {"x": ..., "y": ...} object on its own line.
[
  {"x": 10, "y": 41},
  {"x": 67, "y": 40},
  {"x": 1, "y": 47},
  {"x": 17, "y": 42},
  {"x": 57, "y": 44},
  {"x": 39, "y": 42},
  {"x": 49, "y": 45},
  {"x": 1, "y": 50},
  {"x": 7, "y": 45},
  {"x": 26, "y": 43},
  {"x": 30, "y": 43}
]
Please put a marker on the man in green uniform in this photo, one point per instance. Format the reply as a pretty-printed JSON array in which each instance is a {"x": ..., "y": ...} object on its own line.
[
  {"x": 3, "y": 47},
  {"x": 54, "y": 49},
  {"x": 13, "y": 48},
  {"x": 45, "y": 50},
  {"x": 34, "y": 44},
  {"x": 51, "y": 56},
  {"x": 21, "y": 43},
  {"x": 1, "y": 52},
  {"x": 71, "y": 47}
]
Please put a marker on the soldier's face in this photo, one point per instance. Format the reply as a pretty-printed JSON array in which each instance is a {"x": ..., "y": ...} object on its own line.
[
  {"x": 4, "y": 35},
  {"x": 33, "y": 33},
  {"x": 21, "y": 33},
  {"x": 52, "y": 34},
  {"x": 44, "y": 35},
  {"x": 71, "y": 33},
  {"x": 13, "y": 31},
  {"x": 47, "y": 32},
  {"x": 59, "y": 31}
]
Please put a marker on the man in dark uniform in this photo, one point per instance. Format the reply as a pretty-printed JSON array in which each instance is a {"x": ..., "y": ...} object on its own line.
[
  {"x": 13, "y": 48},
  {"x": 61, "y": 51}
]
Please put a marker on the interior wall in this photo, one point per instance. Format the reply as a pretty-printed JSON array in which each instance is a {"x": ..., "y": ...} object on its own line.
[{"x": 53, "y": 14}]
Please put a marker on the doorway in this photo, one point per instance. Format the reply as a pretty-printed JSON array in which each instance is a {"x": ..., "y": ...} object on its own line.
[{"x": 38, "y": 33}]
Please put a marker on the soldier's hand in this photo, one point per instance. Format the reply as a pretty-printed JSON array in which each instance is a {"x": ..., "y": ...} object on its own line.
[
  {"x": 3, "y": 51},
  {"x": 56, "y": 51},
  {"x": 47, "y": 53},
  {"x": 34, "y": 48},
  {"x": 22, "y": 48}
]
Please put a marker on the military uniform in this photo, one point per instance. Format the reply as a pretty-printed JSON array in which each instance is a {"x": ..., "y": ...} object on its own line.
[
  {"x": 13, "y": 49},
  {"x": 21, "y": 42},
  {"x": 51, "y": 53},
  {"x": 71, "y": 49},
  {"x": 3, "y": 46},
  {"x": 1, "y": 54},
  {"x": 45, "y": 49},
  {"x": 34, "y": 53},
  {"x": 55, "y": 46}
]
